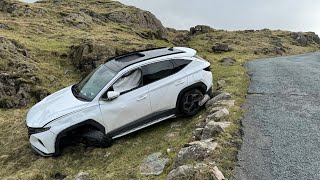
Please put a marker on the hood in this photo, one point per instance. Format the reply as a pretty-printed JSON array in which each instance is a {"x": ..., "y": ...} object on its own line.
[{"x": 55, "y": 105}]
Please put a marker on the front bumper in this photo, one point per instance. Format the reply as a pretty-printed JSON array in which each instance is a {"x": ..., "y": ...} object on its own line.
[{"x": 43, "y": 143}]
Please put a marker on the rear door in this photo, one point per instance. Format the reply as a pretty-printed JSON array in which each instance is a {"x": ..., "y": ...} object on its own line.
[{"x": 165, "y": 80}]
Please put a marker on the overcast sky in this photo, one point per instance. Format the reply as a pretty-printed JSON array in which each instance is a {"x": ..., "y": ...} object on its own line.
[{"x": 294, "y": 15}]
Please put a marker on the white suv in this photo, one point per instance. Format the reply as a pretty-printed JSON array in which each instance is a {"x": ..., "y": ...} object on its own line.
[{"x": 125, "y": 94}]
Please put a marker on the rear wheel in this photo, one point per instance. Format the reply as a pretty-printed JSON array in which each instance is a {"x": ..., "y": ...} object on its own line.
[{"x": 189, "y": 104}]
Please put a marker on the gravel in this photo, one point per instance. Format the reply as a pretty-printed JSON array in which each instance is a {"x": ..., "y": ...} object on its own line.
[{"x": 282, "y": 125}]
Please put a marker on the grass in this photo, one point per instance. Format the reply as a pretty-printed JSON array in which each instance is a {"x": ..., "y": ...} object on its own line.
[{"x": 46, "y": 38}]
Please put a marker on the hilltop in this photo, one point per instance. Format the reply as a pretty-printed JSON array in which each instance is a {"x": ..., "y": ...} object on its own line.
[{"x": 51, "y": 44}]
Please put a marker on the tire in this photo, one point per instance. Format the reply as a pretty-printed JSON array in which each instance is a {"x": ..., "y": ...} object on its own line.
[
  {"x": 189, "y": 103},
  {"x": 96, "y": 138}
]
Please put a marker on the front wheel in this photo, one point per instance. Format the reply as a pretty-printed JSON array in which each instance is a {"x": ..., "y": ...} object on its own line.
[
  {"x": 96, "y": 138},
  {"x": 189, "y": 104}
]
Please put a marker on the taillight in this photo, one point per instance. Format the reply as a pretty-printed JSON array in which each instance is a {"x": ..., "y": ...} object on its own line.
[{"x": 207, "y": 68}]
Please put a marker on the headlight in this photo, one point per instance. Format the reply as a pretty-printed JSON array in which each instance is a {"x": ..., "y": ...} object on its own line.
[{"x": 37, "y": 130}]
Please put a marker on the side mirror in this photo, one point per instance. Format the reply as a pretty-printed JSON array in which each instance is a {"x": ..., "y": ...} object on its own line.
[{"x": 113, "y": 95}]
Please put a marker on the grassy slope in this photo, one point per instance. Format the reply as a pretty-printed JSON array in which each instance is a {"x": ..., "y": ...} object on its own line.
[{"x": 45, "y": 35}]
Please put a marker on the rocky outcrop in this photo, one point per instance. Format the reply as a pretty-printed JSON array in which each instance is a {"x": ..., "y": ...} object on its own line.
[
  {"x": 19, "y": 9},
  {"x": 200, "y": 29},
  {"x": 18, "y": 79}
]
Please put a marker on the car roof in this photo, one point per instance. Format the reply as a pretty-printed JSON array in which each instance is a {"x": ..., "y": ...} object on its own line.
[{"x": 120, "y": 62}]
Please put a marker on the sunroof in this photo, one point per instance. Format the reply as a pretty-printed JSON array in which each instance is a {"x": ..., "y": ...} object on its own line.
[{"x": 129, "y": 57}]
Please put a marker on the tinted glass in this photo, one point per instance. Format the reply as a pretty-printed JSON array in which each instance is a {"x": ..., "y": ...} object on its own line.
[
  {"x": 180, "y": 64},
  {"x": 156, "y": 71}
]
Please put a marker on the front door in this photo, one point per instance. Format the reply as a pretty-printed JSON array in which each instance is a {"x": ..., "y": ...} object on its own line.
[{"x": 125, "y": 112}]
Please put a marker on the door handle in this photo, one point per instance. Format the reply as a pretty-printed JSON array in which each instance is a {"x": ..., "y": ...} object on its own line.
[
  {"x": 180, "y": 82},
  {"x": 142, "y": 98}
]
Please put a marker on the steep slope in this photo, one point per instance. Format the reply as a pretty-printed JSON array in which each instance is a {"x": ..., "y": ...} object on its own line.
[{"x": 51, "y": 44}]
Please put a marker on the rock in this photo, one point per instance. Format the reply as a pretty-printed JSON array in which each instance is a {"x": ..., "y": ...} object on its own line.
[
  {"x": 218, "y": 116},
  {"x": 221, "y": 48},
  {"x": 4, "y": 26},
  {"x": 210, "y": 131},
  {"x": 87, "y": 56},
  {"x": 200, "y": 29},
  {"x": 224, "y": 103},
  {"x": 222, "y": 96},
  {"x": 138, "y": 17},
  {"x": 198, "y": 171},
  {"x": 197, "y": 150},
  {"x": 51, "y": 78},
  {"x": 153, "y": 164},
  {"x": 168, "y": 151},
  {"x": 313, "y": 37},
  {"x": 79, "y": 20},
  {"x": 214, "y": 109},
  {"x": 181, "y": 39},
  {"x": 271, "y": 51},
  {"x": 227, "y": 61},
  {"x": 221, "y": 84},
  {"x": 81, "y": 176},
  {"x": 181, "y": 172},
  {"x": 217, "y": 173},
  {"x": 213, "y": 129},
  {"x": 201, "y": 124},
  {"x": 197, "y": 133},
  {"x": 300, "y": 39}
]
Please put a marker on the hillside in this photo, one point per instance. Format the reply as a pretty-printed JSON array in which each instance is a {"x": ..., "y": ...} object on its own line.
[{"x": 48, "y": 45}]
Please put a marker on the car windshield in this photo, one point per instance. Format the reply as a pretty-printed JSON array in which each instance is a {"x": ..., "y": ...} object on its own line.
[{"x": 88, "y": 88}]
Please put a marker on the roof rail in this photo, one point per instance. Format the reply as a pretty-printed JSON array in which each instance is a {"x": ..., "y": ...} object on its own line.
[{"x": 131, "y": 53}]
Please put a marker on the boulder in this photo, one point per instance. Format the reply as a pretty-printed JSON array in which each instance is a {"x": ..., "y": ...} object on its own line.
[
  {"x": 224, "y": 103},
  {"x": 222, "y": 96},
  {"x": 300, "y": 39},
  {"x": 181, "y": 39},
  {"x": 218, "y": 116},
  {"x": 79, "y": 20},
  {"x": 197, "y": 150},
  {"x": 87, "y": 56},
  {"x": 200, "y": 29},
  {"x": 221, "y": 48},
  {"x": 153, "y": 164},
  {"x": 313, "y": 37},
  {"x": 198, "y": 171},
  {"x": 210, "y": 131},
  {"x": 229, "y": 61},
  {"x": 4, "y": 26}
]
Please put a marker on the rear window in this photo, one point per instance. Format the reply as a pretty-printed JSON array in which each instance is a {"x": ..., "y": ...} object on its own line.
[{"x": 180, "y": 64}]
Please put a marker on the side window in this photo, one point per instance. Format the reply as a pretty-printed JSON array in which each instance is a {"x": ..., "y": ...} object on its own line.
[
  {"x": 128, "y": 82},
  {"x": 156, "y": 71},
  {"x": 180, "y": 64}
]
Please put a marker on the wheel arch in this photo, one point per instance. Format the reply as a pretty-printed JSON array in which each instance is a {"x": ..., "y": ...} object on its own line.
[
  {"x": 199, "y": 85},
  {"x": 63, "y": 133}
]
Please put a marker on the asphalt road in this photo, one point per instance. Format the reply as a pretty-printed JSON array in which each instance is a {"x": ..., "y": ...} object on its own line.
[{"x": 282, "y": 124}]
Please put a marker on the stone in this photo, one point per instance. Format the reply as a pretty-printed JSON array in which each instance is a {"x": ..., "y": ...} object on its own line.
[
  {"x": 81, "y": 176},
  {"x": 200, "y": 29},
  {"x": 217, "y": 173},
  {"x": 218, "y": 116},
  {"x": 224, "y": 103},
  {"x": 214, "y": 109},
  {"x": 211, "y": 131},
  {"x": 222, "y": 96},
  {"x": 300, "y": 39},
  {"x": 221, "y": 83},
  {"x": 229, "y": 61},
  {"x": 197, "y": 133},
  {"x": 197, "y": 150},
  {"x": 153, "y": 164},
  {"x": 201, "y": 124},
  {"x": 221, "y": 48},
  {"x": 197, "y": 171}
]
